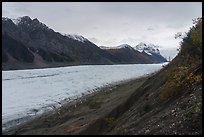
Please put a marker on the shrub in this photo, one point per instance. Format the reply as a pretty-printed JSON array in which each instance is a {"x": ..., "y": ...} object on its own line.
[
  {"x": 111, "y": 122},
  {"x": 193, "y": 79},
  {"x": 192, "y": 43},
  {"x": 168, "y": 90},
  {"x": 190, "y": 56}
]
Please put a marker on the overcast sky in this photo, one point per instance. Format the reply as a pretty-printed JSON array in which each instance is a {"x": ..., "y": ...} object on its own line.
[{"x": 112, "y": 23}]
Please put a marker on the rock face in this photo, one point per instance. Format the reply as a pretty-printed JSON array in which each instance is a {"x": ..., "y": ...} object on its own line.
[
  {"x": 45, "y": 46},
  {"x": 16, "y": 49}
]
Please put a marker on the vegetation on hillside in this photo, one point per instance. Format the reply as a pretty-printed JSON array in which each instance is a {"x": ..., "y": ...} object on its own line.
[{"x": 186, "y": 68}]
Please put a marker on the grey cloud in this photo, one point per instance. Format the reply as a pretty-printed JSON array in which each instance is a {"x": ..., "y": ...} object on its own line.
[
  {"x": 95, "y": 28},
  {"x": 94, "y": 40},
  {"x": 5, "y": 12},
  {"x": 112, "y": 41},
  {"x": 22, "y": 10},
  {"x": 143, "y": 37},
  {"x": 174, "y": 26},
  {"x": 131, "y": 41},
  {"x": 111, "y": 22},
  {"x": 150, "y": 28},
  {"x": 68, "y": 10}
]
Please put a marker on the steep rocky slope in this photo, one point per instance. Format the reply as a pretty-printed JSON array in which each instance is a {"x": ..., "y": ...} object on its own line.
[
  {"x": 50, "y": 46},
  {"x": 169, "y": 102}
]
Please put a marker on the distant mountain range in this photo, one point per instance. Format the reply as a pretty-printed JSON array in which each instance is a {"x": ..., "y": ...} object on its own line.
[
  {"x": 141, "y": 53},
  {"x": 28, "y": 43}
]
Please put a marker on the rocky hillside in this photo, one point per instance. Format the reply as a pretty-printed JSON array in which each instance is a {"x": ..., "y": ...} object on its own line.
[
  {"x": 46, "y": 48},
  {"x": 168, "y": 103}
]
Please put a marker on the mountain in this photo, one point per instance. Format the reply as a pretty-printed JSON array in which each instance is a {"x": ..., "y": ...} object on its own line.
[
  {"x": 15, "y": 49},
  {"x": 151, "y": 50},
  {"x": 127, "y": 54},
  {"x": 46, "y": 48}
]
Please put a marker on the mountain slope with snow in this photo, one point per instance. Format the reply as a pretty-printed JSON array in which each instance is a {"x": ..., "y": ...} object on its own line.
[
  {"x": 150, "y": 49},
  {"x": 76, "y": 37},
  {"x": 49, "y": 47},
  {"x": 53, "y": 49},
  {"x": 139, "y": 54}
]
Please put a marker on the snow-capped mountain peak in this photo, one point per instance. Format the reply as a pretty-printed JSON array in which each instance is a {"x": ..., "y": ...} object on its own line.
[
  {"x": 24, "y": 20},
  {"x": 140, "y": 47},
  {"x": 117, "y": 47},
  {"x": 147, "y": 48},
  {"x": 76, "y": 37},
  {"x": 5, "y": 19},
  {"x": 16, "y": 21},
  {"x": 124, "y": 46}
]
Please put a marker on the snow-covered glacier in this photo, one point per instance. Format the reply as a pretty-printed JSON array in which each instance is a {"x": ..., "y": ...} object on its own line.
[{"x": 31, "y": 92}]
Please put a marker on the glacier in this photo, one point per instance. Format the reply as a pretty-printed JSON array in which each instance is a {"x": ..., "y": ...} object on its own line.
[{"x": 32, "y": 92}]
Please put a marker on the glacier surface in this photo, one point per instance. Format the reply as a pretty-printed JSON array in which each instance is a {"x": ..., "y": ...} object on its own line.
[{"x": 31, "y": 92}]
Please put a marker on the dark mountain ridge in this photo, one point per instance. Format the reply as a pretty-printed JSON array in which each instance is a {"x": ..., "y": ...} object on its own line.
[
  {"x": 127, "y": 54},
  {"x": 50, "y": 48}
]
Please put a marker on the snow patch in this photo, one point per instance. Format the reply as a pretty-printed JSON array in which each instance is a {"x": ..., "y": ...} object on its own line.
[
  {"x": 148, "y": 53},
  {"x": 5, "y": 18},
  {"x": 117, "y": 47},
  {"x": 16, "y": 21},
  {"x": 147, "y": 48},
  {"x": 124, "y": 46},
  {"x": 76, "y": 37}
]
